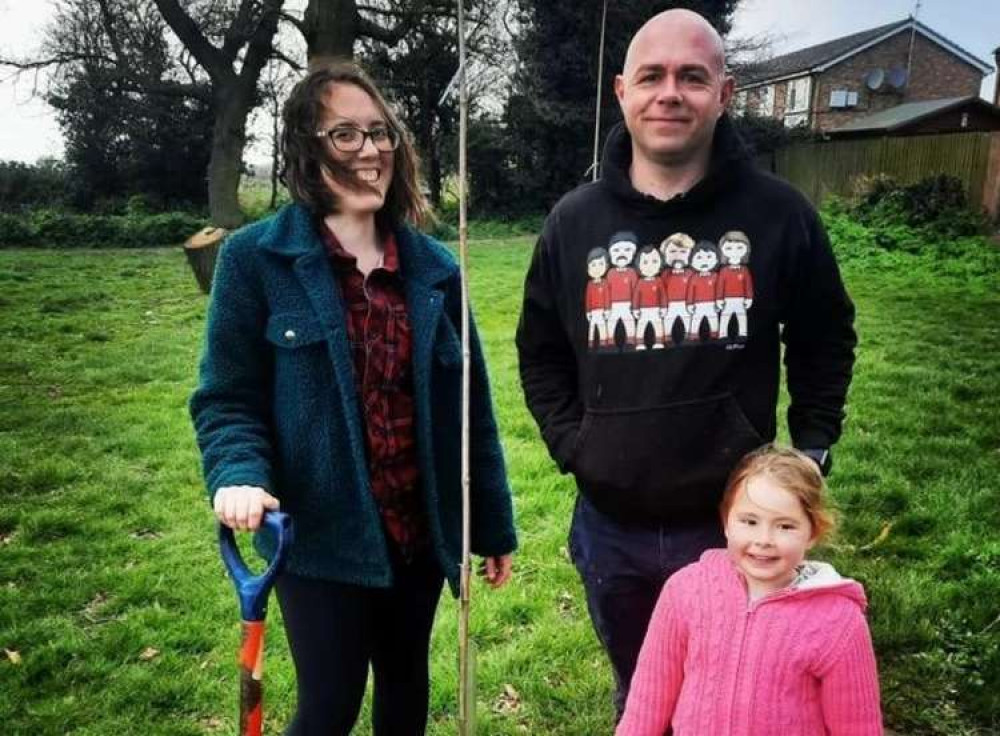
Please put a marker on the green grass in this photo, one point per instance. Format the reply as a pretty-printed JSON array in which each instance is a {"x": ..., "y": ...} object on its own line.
[{"x": 107, "y": 545}]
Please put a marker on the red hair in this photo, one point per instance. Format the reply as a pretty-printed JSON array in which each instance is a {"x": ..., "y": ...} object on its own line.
[{"x": 791, "y": 470}]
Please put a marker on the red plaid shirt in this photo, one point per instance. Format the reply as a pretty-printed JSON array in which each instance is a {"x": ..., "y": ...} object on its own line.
[{"x": 379, "y": 334}]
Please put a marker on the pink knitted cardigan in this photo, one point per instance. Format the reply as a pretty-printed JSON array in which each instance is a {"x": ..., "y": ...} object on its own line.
[{"x": 798, "y": 662}]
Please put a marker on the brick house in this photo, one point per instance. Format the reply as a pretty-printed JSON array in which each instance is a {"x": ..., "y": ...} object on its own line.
[{"x": 835, "y": 83}]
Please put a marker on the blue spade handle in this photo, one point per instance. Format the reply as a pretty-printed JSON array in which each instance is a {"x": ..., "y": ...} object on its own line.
[{"x": 254, "y": 589}]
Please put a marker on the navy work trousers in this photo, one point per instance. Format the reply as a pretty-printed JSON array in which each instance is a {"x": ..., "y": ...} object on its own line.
[{"x": 623, "y": 568}]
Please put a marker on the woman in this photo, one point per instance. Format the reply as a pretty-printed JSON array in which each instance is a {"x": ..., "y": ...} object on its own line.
[{"x": 331, "y": 386}]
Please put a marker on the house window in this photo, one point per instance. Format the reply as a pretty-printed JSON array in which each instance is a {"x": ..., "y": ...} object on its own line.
[
  {"x": 797, "y": 96},
  {"x": 766, "y": 101},
  {"x": 843, "y": 98}
]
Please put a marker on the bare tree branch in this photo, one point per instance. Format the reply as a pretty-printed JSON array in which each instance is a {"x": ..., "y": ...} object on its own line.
[
  {"x": 285, "y": 58},
  {"x": 388, "y": 36},
  {"x": 296, "y": 22},
  {"x": 189, "y": 65},
  {"x": 109, "y": 28},
  {"x": 207, "y": 55},
  {"x": 260, "y": 46},
  {"x": 22, "y": 65},
  {"x": 239, "y": 31}
]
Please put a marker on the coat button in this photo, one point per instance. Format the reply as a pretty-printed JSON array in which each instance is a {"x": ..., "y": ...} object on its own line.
[{"x": 289, "y": 334}]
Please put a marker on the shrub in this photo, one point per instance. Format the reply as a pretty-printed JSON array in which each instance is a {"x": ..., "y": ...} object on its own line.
[
  {"x": 142, "y": 204},
  {"x": 443, "y": 231},
  {"x": 169, "y": 228},
  {"x": 765, "y": 134},
  {"x": 937, "y": 204},
  {"x": 15, "y": 230},
  {"x": 55, "y": 229},
  {"x": 31, "y": 185},
  {"x": 893, "y": 247}
]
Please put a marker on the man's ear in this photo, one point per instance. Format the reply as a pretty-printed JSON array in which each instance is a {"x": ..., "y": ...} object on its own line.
[
  {"x": 726, "y": 94},
  {"x": 620, "y": 89}
]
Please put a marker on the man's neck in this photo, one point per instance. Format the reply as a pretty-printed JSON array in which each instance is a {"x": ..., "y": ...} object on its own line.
[{"x": 666, "y": 181}]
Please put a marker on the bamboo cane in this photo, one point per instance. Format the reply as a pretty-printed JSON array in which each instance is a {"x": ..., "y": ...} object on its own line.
[
  {"x": 594, "y": 166},
  {"x": 466, "y": 666}
]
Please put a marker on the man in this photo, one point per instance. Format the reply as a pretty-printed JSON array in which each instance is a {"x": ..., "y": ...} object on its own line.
[{"x": 651, "y": 436}]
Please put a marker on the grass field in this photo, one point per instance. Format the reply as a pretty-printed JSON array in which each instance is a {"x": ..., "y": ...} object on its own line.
[{"x": 116, "y": 617}]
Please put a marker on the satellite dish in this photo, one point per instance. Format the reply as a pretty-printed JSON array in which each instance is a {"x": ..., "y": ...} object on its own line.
[
  {"x": 875, "y": 79},
  {"x": 897, "y": 77}
]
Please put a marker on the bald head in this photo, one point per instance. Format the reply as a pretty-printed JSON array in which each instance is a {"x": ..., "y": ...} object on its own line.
[
  {"x": 670, "y": 25},
  {"x": 672, "y": 91}
]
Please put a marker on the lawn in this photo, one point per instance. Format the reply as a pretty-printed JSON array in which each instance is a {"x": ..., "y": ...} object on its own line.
[{"x": 116, "y": 616}]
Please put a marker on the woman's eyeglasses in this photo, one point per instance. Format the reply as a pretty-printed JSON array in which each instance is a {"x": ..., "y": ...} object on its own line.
[{"x": 351, "y": 139}]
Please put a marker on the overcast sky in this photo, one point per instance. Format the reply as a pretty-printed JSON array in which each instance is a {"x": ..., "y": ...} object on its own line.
[{"x": 28, "y": 129}]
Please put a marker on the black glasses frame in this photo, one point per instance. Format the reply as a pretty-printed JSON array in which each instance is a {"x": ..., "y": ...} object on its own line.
[{"x": 393, "y": 138}]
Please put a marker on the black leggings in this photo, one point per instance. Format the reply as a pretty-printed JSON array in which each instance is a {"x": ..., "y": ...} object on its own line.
[{"x": 336, "y": 630}]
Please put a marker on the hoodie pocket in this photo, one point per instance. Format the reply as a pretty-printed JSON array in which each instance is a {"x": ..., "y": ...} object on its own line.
[{"x": 661, "y": 462}]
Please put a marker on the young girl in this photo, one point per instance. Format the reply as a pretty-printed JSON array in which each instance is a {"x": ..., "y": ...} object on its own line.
[
  {"x": 331, "y": 385},
  {"x": 754, "y": 640}
]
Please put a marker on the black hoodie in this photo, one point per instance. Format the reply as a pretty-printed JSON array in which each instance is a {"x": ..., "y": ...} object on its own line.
[{"x": 648, "y": 384}]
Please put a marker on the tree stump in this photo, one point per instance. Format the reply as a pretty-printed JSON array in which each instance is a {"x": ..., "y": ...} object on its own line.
[{"x": 201, "y": 250}]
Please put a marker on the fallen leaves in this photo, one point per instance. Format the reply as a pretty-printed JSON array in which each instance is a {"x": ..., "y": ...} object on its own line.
[
  {"x": 508, "y": 702},
  {"x": 148, "y": 654},
  {"x": 882, "y": 536},
  {"x": 567, "y": 604},
  {"x": 145, "y": 534},
  {"x": 91, "y": 612},
  {"x": 212, "y": 723},
  {"x": 13, "y": 656}
]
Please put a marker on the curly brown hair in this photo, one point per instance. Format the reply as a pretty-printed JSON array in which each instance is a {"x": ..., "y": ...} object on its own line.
[{"x": 306, "y": 160}]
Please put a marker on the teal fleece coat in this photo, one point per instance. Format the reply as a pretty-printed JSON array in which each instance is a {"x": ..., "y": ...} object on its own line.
[{"x": 276, "y": 405}]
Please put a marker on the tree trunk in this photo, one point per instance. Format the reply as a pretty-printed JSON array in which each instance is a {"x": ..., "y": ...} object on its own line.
[
  {"x": 330, "y": 27},
  {"x": 434, "y": 161},
  {"x": 232, "y": 107},
  {"x": 428, "y": 143},
  {"x": 201, "y": 250},
  {"x": 275, "y": 148}
]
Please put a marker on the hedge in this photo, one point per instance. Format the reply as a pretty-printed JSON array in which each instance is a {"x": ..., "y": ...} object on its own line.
[{"x": 56, "y": 229}]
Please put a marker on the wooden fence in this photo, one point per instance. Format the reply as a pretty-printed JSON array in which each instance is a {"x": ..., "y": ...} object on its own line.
[{"x": 833, "y": 167}]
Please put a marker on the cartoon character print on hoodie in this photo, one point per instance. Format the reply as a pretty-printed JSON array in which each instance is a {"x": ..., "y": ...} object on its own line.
[
  {"x": 701, "y": 291},
  {"x": 676, "y": 250},
  {"x": 678, "y": 282},
  {"x": 734, "y": 286},
  {"x": 598, "y": 298},
  {"x": 651, "y": 435},
  {"x": 621, "y": 281},
  {"x": 648, "y": 299}
]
